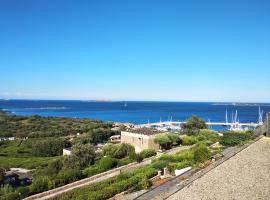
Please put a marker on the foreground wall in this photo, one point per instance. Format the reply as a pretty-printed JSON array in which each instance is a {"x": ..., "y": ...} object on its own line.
[{"x": 268, "y": 124}]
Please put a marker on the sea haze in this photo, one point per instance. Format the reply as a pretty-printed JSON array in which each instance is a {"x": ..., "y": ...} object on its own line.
[{"x": 134, "y": 111}]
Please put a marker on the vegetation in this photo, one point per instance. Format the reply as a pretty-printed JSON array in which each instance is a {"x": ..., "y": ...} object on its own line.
[
  {"x": 205, "y": 135},
  {"x": 49, "y": 147},
  {"x": 37, "y": 126},
  {"x": 132, "y": 181},
  {"x": 236, "y": 138},
  {"x": 167, "y": 140},
  {"x": 38, "y": 145},
  {"x": 193, "y": 125},
  {"x": 118, "y": 151},
  {"x": 193, "y": 157},
  {"x": 81, "y": 156}
]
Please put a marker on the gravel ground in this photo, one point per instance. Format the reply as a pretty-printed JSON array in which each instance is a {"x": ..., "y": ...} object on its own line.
[{"x": 246, "y": 176}]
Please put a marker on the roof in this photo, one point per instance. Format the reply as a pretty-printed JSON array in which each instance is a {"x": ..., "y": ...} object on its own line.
[{"x": 144, "y": 131}]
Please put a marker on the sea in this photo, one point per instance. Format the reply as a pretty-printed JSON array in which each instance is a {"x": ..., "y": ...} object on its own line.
[{"x": 137, "y": 112}]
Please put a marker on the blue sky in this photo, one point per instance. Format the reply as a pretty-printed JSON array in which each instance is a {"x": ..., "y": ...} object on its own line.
[{"x": 179, "y": 50}]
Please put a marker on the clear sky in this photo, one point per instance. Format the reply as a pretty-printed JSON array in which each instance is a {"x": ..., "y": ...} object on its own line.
[{"x": 182, "y": 50}]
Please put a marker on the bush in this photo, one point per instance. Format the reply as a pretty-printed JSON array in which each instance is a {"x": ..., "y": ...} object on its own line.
[
  {"x": 118, "y": 151},
  {"x": 11, "y": 196},
  {"x": 54, "y": 167},
  {"x": 174, "y": 138},
  {"x": 67, "y": 176},
  {"x": 201, "y": 153},
  {"x": 189, "y": 140},
  {"x": 180, "y": 165},
  {"x": 40, "y": 184},
  {"x": 159, "y": 164},
  {"x": 48, "y": 147},
  {"x": 123, "y": 161},
  {"x": 236, "y": 138},
  {"x": 104, "y": 164},
  {"x": 24, "y": 191},
  {"x": 148, "y": 153}
]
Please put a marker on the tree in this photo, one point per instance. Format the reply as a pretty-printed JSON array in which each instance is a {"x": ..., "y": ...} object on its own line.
[
  {"x": 48, "y": 147},
  {"x": 81, "y": 156},
  {"x": 118, "y": 151},
  {"x": 193, "y": 125},
  {"x": 174, "y": 138},
  {"x": 124, "y": 150},
  {"x": 163, "y": 140},
  {"x": 54, "y": 167}
]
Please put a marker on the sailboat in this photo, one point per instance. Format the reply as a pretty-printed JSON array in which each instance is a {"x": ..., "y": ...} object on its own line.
[{"x": 235, "y": 126}]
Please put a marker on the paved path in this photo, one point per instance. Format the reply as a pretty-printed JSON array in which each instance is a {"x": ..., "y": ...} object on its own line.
[{"x": 246, "y": 176}]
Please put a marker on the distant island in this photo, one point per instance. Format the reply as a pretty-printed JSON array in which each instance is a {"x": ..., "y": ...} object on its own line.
[{"x": 239, "y": 104}]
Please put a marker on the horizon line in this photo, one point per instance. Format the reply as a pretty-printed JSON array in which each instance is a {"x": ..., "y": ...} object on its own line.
[{"x": 130, "y": 100}]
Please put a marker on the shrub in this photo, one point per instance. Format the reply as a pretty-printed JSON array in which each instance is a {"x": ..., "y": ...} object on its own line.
[
  {"x": 201, "y": 153},
  {"x": 159, "y": 164},
  {"x": 54, "y": 167},
  {"x": 174, "y": 138},
  {"x": 148, "y": 153},
  {"x": 189, "y": 140},
  {"x": 24, "y": 191},
  {"x": 106, "y": 163},
  {"x": 179, "y": 165},
  {"x": 40, "y": 184},
  {"x": 118, "y": 151},
  {"x": 11, "y": 196},
  {"x": 67, "y": 176},
  {"x": 236, "y": 138},
  {"x": 123, "y": 161}
]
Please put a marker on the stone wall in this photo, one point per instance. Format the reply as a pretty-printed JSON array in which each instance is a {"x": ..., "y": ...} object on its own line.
[{"x": 139, "y": 141}]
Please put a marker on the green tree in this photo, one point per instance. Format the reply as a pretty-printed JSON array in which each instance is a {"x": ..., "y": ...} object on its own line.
[
  {"x": 174, "y": 138},
  {"x": 48, "y": 147},
  {"x": 163, "y": 140},
  {"x": 193, "y": 125},
  {"x": 124, "y": 150},
  {"x": 81, "y": 156},
  {"x": 54, "y": 167},
  {"x": 118, "y": 151}
]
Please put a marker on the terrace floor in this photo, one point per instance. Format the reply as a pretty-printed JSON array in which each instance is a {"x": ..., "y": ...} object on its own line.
[{"x": 244, "y": 176}]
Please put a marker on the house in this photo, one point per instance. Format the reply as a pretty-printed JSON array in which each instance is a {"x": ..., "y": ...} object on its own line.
[{"x": 140, "y": 138}]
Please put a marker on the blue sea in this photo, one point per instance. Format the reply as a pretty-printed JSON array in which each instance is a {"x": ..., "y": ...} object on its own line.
[{"x": 136, "y": 112}]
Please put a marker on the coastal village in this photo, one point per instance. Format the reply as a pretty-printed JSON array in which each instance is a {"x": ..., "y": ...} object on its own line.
[{"x": 163, "y": 151}]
